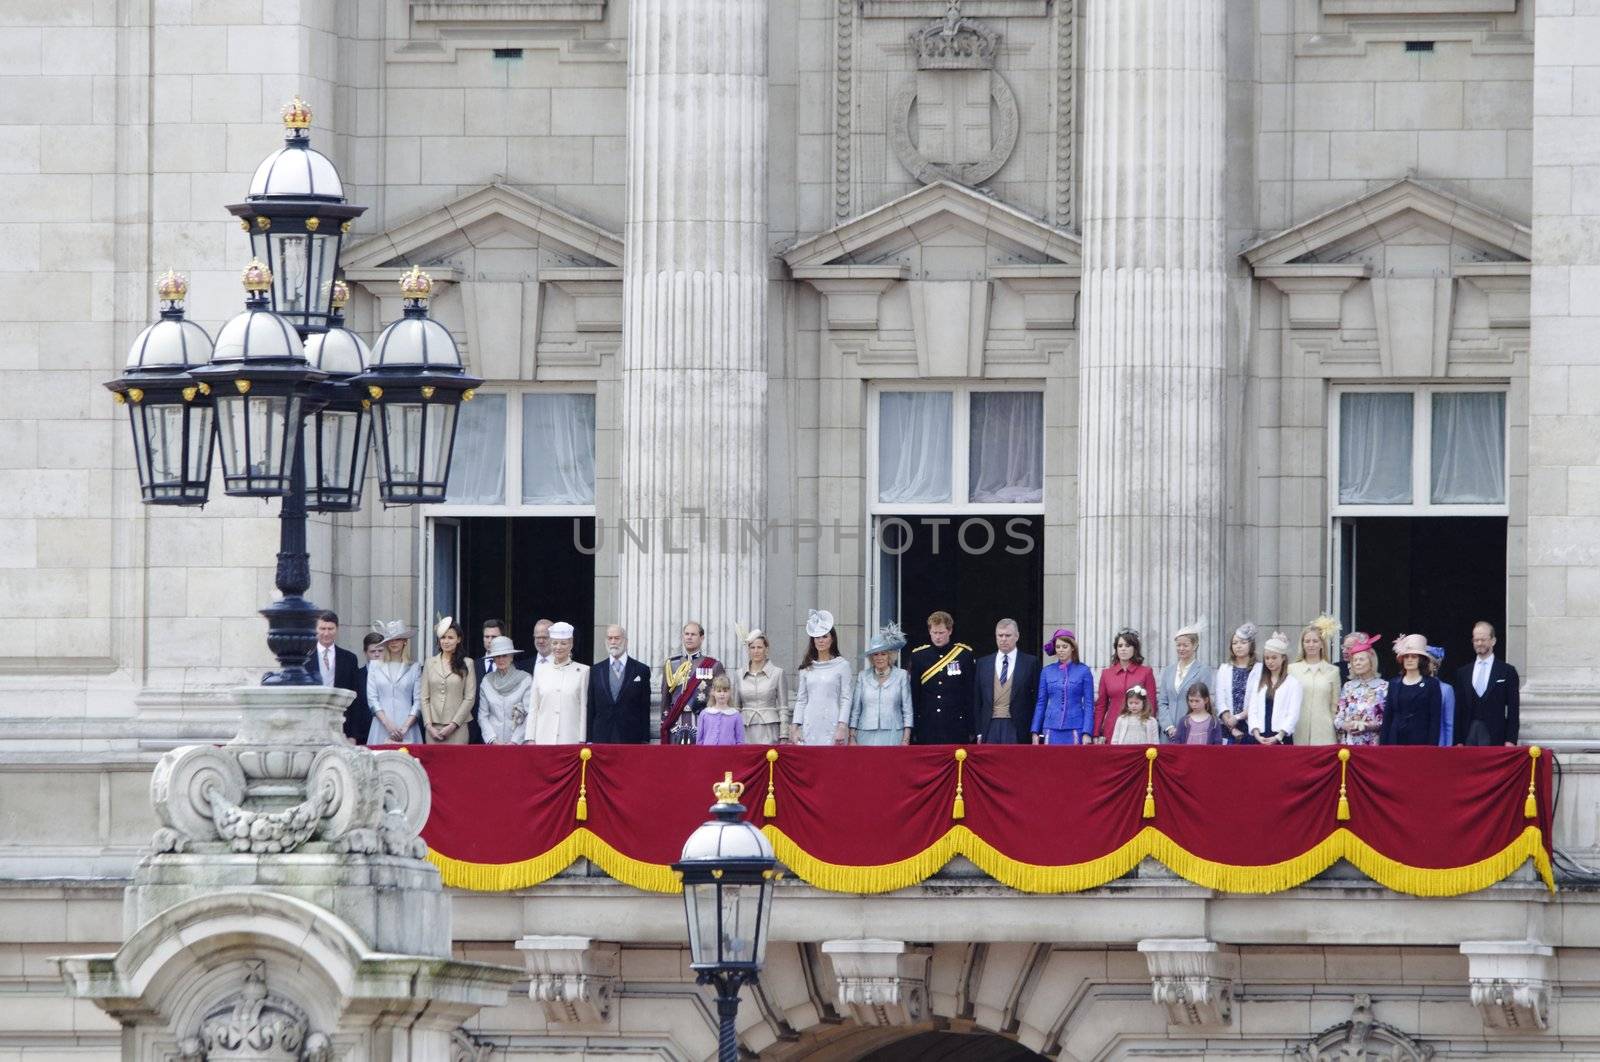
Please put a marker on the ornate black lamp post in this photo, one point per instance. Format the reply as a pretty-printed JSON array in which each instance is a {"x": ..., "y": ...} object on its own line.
[
  {"x": 727, "y": 869},
  {"x": 285, "y": 390}
]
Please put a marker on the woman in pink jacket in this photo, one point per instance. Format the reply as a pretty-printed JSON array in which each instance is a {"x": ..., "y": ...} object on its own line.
[{"x": 1126, "y": 671}]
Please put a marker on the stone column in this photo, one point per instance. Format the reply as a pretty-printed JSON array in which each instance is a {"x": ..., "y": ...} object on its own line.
[
  {"x": 1560, "y": 671},
  {"x": 694, "y": 368},
  {"x": 1150, "y": 455}
]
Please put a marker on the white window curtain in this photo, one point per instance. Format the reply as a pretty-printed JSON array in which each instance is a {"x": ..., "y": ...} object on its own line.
[
  {"x": 557, "y": 449},
  {"x": 914, "y": 437},
  {"x": 478, "y": 467},
  {"x": 1006, "y": 460},
  {"x": 1469, "y": 448},
  {"x": 1375, "y": 448}
]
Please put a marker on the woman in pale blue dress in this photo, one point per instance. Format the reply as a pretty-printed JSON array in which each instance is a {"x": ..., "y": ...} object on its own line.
[
  {"x": 880, "y": 713},
  {"x": 822, "y": 686},
  {"x": 394, "y": 690}
]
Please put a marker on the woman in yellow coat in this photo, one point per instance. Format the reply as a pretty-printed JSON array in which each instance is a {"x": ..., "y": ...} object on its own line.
[{"x": 1319, "y": 679}]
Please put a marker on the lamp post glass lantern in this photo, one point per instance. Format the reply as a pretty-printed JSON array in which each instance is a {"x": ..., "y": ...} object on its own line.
[
  {"x": 728, "y": 870},
  {"x": 416, "y": 383},
  {"x": 169, "y": 411},
  {"x": 336, "y": 437},
  {"x": 260, "y": 384},
  {"x": 297, "y": 218},
  {"x": 286, "y": 383}
]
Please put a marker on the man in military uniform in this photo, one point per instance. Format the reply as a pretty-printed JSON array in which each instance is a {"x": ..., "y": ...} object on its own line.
[
  {"x": 686, "y": 682},
  {"x": 943, "y": 690}
]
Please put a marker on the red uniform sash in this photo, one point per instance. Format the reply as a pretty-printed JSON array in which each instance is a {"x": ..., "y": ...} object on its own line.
[{"x": 685, "y": 695}]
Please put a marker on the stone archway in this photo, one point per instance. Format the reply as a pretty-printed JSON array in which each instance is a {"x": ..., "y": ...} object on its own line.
[{"x": 858, "y": 1043}]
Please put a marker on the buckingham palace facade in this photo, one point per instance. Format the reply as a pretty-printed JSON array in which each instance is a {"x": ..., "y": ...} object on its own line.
[{"x": 1086, "y": 313}]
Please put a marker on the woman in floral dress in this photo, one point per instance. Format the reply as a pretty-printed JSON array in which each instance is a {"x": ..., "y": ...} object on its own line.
[{"x": 1359, "y": 717}]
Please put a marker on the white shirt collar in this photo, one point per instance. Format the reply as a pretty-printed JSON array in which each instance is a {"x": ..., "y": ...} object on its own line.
[{"x": 1485, "y": 661}]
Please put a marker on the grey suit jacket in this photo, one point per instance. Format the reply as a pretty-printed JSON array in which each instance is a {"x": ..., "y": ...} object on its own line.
[{"x": 1172, "y": 700}]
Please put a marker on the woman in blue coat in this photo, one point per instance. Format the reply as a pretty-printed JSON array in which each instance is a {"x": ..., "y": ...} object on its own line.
[
  {"x": 1064, "y": 711},
  {"x": 1412, "y": 709}
]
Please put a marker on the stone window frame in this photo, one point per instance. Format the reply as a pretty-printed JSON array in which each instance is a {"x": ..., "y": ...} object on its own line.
[
  {"x": 1421, "y": 451},
  {"x": 961, "y": 443}
]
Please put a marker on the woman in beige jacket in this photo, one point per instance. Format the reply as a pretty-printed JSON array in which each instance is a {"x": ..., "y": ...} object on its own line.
[{"x": 449, "y": 689}]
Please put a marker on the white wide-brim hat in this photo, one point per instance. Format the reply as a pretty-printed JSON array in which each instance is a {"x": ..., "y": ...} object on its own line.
[{"x": 502, "y": 646}]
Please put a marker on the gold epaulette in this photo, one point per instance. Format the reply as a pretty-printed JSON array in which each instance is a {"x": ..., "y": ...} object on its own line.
[
  {"x": 964, "y": 645},
  {"x": 920, "y": 648}
]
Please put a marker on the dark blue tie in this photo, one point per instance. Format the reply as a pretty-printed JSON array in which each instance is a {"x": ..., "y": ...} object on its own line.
[{"x": 1005, "y": 669}]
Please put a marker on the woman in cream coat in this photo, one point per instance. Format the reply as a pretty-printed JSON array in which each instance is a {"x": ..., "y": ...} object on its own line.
[
  {"x": 558, "y": 713},
  {"x": 449, "y": 689},
  {"x": 1273, "y": 705},
  {"x": 761, "y": 695},
  {"x": 1319, "y": 682}
]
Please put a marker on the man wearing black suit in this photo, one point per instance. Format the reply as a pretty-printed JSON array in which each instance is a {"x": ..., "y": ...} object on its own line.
[
  {"x": 1487, "y": 697},
  {"x": 333, "y": 666},
  {"x": 619, "y": 695},
  {"x": 1007, "y": 685}
]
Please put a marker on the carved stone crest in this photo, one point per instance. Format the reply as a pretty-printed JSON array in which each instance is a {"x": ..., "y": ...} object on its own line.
[
  {"x": 1363, "y": 1039},
  {"x": 256, "y": 1025},
  {"x": 966, "y": 115}
]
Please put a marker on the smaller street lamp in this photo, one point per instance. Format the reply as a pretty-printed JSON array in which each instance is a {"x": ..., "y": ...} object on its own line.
[
  {"x": 336, "y": 436},
  {"x": 169, "y": 410},
  {"x": 727, "y": 869},
  {"x": 416, "y": 383}
]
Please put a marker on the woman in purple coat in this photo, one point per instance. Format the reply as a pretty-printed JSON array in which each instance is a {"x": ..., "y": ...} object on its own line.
[{"x": 1063, "y": 713}]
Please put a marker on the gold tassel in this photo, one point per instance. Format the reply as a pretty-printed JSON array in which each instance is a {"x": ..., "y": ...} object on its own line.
[
  {"x": 769, "y": 809},
  {"x": 583, "y": 783},
  {"x": 1343, "y": 814},
  {"x": 960, "y": 809},
  {"x": 1530, "y": 806},
  {"x": 1150, "y": 782}
]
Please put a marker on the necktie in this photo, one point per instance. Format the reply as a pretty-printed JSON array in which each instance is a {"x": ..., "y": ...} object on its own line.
[
  {"x": 327, "y": 666},
  {"x": 1480, "y": 677},
  {"x": 616, "y": 678},
  {"x": 1005, "y": 668}
]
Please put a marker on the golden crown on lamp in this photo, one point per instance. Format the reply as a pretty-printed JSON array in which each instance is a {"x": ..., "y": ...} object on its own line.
[
  {"x": 256, "y": 276},
  {"x": 728, "y": 791},
  {"x": 172, "y": 286},
  {"x": 339, "y": 295},
  {"x": 296, "y": 114},
  {"x": 416, "y": 284}
]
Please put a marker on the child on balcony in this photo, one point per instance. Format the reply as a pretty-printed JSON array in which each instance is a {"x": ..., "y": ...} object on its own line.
[
  {"x": 1135, "y": 726},
  {"x": 720, "y": 722}
]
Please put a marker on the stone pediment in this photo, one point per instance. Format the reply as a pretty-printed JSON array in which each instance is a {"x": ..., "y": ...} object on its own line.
[
  {"x": 941, "y": 231},
  {"x": 1404, "y": 227},
  {"x": 1408, "y": 280},
  {"x": 495, "y": 215}
]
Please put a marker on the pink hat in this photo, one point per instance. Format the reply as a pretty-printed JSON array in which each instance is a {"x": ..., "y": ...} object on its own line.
[
  {"x": 1359, "y": 642},
  {"x": 1411, "y": 645}
]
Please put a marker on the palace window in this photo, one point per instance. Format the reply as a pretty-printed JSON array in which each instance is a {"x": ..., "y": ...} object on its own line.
[
  {"x": 955, "y": 449},
  {"x": 1421, "y": 450}
]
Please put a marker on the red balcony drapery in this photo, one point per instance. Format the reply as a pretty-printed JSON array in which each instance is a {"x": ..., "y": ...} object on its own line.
[{"x": 1425, "y": 821}]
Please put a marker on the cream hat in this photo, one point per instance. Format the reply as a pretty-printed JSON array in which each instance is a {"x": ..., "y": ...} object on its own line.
[
  {"x": 560, "y": 632},
  {"x": 1278, "y": 643}
]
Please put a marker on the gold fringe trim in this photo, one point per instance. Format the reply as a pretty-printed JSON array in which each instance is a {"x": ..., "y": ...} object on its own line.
[
  {"x": 1027, "y": 877},
  {"x": 579, "y": 844}
]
